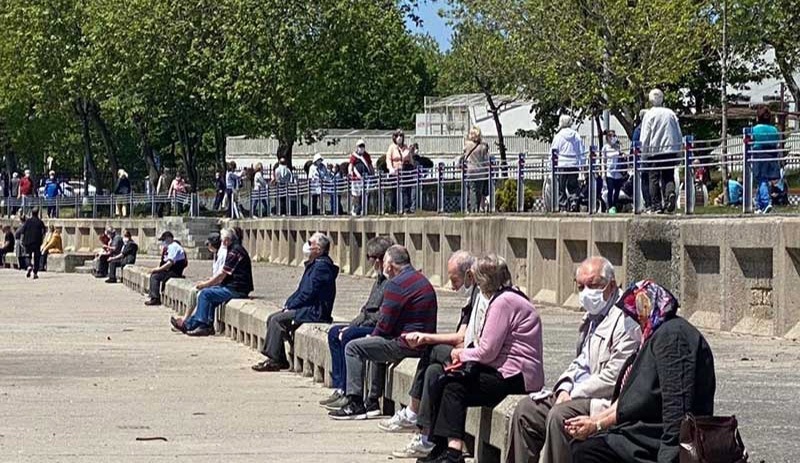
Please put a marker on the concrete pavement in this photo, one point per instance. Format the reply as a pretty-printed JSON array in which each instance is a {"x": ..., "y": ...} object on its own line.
[{"x": 85, "y": 369}]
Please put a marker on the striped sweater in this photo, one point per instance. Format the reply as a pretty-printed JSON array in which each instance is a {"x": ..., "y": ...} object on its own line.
[{"x": 409, "y": 304}]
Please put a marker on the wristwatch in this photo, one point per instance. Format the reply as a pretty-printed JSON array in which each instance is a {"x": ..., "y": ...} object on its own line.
[{"x": 599, "y": 427}]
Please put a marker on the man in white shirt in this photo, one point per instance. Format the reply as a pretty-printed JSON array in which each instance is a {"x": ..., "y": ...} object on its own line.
[
  {"x": 569, "y": 146},
  {"x": 173, "y": 263},
  {"x": 662, "y": 142}
]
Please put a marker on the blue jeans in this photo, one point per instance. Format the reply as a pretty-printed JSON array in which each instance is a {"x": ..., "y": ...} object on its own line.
[
  {"x": 207, "y": 301},
  {"x": 339, "y": 370},
  {"x": 762, "y": 196}
]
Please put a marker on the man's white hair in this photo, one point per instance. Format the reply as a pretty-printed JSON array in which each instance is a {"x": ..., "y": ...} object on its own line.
[
  {"x": 607, "y": 268},
  {"x": 463, "y": 260},
  {"x": 564, "y": 121},
  {"x": 227, "y": 234},
  {"x": 656, "y": 97}
]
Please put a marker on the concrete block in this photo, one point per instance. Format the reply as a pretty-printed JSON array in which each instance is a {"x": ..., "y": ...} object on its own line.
[
  {"x": 702, "y": 263},
  {"x": 516, "y": 249},
  {"x": 654, "y": 252},
  {"x": 609, "y": 239},
  {"x": 68, "y": 262},
  {"x": 434, "y": 261},
  {"x": 574, "y": 238},
  {"x": 544, "y": 272}
]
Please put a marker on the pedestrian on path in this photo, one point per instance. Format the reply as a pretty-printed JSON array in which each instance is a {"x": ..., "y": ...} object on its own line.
[{"x": 32, "y": 238}]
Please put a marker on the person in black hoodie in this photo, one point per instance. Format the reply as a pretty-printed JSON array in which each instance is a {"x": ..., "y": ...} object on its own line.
[
  {"x": 32, "y": 238},
  {"x": 311, "y": 303},
  {"x": 127, "y": 256}
]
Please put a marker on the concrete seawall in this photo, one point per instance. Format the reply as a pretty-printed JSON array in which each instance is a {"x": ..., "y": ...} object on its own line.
[{"x": 731, "y": 274}]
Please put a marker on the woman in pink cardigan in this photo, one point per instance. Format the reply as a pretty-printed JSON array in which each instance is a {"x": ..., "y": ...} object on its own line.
[{"x": 507, "y": 360}]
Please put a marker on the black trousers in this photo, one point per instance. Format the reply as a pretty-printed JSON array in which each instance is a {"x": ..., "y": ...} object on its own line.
[
  {"x": 102, "y": 266},
  {"x": 35, "y": 251},
  {"x": 157, "y": 279},
  {"x": 43, "y": 261},
  {"x": 567, "y": 185},
  {"x": 426, "y": 388},
  {"x": 112, "y": 269},
  {"x": 593, "y": 450},
  {"x": 279, "y": 329},
  {"x": 662, "y": 180},
  {"x": 484, "y": 388}
]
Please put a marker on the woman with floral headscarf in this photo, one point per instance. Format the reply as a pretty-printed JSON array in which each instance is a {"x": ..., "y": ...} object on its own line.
[{"x": 670, "y": 376}]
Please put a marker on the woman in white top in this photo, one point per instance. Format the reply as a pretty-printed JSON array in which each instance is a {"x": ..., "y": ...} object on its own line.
[
  {"x": 613, "y": 168},
  {"x": 400, "y": 159},
  {"x": 259, "y": 191}
]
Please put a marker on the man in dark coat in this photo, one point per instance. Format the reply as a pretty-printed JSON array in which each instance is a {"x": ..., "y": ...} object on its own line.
[
  {"x": 311, "y": 303},
  {"x": 32, "y": 238},
  {"x": 127, "y": 256}
]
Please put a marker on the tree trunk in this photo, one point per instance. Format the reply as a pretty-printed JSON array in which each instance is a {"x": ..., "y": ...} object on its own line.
[
  {"x": 626, "y": 121},
  {"x": 188, "y": 153},
  {"x": 147, "y": 151},
  {"x": 82, "y": 111},
  {"x": 494, "y": 110},
  {"x": 787, "y": 72},
  {"x": 106, "y": 136},
  {"x": 6, "y": 149},
  {"x": 219, "y": 145}
]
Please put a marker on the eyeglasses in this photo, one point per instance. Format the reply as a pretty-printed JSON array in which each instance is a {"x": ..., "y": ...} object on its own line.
[{"x": 374, "y": 257}]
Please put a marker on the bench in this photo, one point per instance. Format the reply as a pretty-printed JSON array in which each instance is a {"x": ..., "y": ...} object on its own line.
[
  {"x": 244, "y": 321},
  {"x": 67, "y": 262}
]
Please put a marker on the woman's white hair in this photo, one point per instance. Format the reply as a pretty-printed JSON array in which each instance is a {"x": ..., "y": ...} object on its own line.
[
  {"x": 121, "y": 173},
  {"x": 564, "y": 121},
  {"x": 474, "y": 134}
]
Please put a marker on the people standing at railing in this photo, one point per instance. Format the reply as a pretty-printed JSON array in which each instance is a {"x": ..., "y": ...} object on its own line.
[
  {"x": 569, "y": 146},
  {"x": 338, "y": 174},
  {"x": 161, "y": 188},
  {"x": 283, "y": 177},
  {"x": 26, "y": 190},
  {"x": 662, "y": 142},
  {"x": 123, "y": 188},
  {"x": 52, "y": 190},
  {"x": 219, "y": 190},
  {"x": 318, "y": 174},
  {"x": 636, "y": 144},
  {"x": 766, "y": 166},
  {"x": 476, "y": 162},
  {"x": 233, "y": 183},
  {"x": 259, "y": 203},
  {"x": 176, "y": 191},
  {"x": 400, "y": 161},
  {"x": 614, "y": 172},
  {"x": 360, "y": 169}
]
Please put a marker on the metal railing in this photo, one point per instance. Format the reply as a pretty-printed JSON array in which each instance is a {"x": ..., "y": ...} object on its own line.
[{"x": 573, "y": 182}]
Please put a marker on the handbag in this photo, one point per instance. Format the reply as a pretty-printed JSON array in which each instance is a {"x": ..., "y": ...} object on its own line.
[{"x": 711, "y": 439}]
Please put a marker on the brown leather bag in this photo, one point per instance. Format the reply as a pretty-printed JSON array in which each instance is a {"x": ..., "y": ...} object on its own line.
[{"x": 711, "y": 439}]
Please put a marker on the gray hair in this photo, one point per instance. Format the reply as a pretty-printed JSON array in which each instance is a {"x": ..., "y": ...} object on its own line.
[
  {"x": 564, "y": 121},
  {"x": 398, "y": 255},
  {"x": 110, "y": 231},
  {"x": 463, "y": 260},
  {"x": 491, "y": 274},
  {"x": 656, "y": 97},
  {"x": 322, "y": 241},
  {"x": 606, "y": 267},
  {"x": 378, "y": 245},
  {"x": 227, "y": 234}
]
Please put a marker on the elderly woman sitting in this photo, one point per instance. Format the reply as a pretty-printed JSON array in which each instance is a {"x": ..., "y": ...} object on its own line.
[
  {"x": 670, "y": 376},
  {"x": 507, "y": 360}
]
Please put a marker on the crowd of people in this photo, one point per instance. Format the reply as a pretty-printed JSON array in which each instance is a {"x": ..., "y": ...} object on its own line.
[
  {"x": 639, "y": 368},
  {"x": 31, "y": 242}
]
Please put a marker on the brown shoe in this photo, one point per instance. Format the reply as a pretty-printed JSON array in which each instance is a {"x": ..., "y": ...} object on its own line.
[
  {"x": 177, "y": 325},
  {"x": 269, "y": 366},
  {"x": 152, "y": 302},
  {"x": 201, "y": 331}
]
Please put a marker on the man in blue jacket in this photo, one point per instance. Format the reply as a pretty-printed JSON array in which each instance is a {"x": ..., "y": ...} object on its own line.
[{"x": 311, "y": 303}]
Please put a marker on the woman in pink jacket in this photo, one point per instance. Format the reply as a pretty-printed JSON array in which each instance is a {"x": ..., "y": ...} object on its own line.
[{"x": 507, "y": 360}]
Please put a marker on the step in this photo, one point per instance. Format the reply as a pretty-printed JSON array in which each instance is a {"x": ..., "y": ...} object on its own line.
[{"x": 85, "y": 270}]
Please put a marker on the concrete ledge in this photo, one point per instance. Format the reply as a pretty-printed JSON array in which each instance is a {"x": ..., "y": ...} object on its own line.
[
  {"x": 67, "y": 262},
  {"x": 136, "y": 278},
  {"x": 179, "y": 295}
]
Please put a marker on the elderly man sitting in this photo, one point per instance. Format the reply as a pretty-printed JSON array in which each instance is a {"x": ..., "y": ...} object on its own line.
[
  {"x": 311, "y": 303},
  {"x": 113, "y": 248},
  {"x": 605, "y": 341},
  {"x": 235, "y": 281}
]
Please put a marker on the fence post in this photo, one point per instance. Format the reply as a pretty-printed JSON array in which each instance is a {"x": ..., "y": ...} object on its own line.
[
  {"x": 463, "y": 187},
  {"x": 592, "y": 183},
  {"x": 490, "y": 206},
  {"x": 521, "y": 182},
  {"x": 554, "y": 199},
  {"x": 381, "y": 197},
  {"x": 688, "y": 176},
  {"x": 267, "y": 199},
  {"x": 637, "y": 179},
  {"x": 94, "y": 206},
  {"x": 440, "y": 188},
  {"x": 747, "y": 172},
  {"x": 111, "y": 207},
  {"x": 350, "y": 196},
  {"x": 399, "y": 196},
  {"x": 77, "y": 206}
]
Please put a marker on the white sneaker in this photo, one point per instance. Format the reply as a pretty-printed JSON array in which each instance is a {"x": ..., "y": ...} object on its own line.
[
  {"x": 414, "y": 449},
  {"x": 398, "y": 423},
  {"x": 768, "y": 209}
]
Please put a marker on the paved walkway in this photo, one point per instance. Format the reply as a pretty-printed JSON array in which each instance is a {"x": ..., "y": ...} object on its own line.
[{"x": 85, "y": 369}]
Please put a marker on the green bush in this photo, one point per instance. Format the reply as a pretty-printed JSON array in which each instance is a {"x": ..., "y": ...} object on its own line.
[{"x": 506, "y": 195}]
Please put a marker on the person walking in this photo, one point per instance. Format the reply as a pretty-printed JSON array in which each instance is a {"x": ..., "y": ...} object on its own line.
[{"x": 32, "y": 238}]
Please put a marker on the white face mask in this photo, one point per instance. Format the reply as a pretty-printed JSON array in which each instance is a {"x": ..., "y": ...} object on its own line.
[
  {"x": 592, "y": 300},
  {"x": 306, "y": 250},
  {"x": 464, "y": 290}
]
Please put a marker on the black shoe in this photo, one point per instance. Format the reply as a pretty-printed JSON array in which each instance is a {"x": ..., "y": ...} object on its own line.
[
  {"x": 152, "y": 302},
  {"x": 30, "y": 270},
  {"x": 203, "y": 330},
  {"x": 373, "y": 408},
  {"x": 176, "y": 325},
  {"x": 110, "y": 280},
  {"x": 439, "y": 451},
  {"x": 354, "y": 410},
  {"x": 337, "y": 394},
  {"x": 269, "y": 366},
  {"x": 35, "y": 276}
]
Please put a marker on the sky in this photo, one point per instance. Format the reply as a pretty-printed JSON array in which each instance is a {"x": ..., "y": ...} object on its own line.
[{"x": 432, "y": 24}]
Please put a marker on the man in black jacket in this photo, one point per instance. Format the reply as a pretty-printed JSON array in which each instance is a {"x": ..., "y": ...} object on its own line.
[
  {"x": 311, "y": 303},
  {"x": 361, "y": 326},
  {"x": 32, "y": 238},
  {"x": 126, "y": 257}
]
